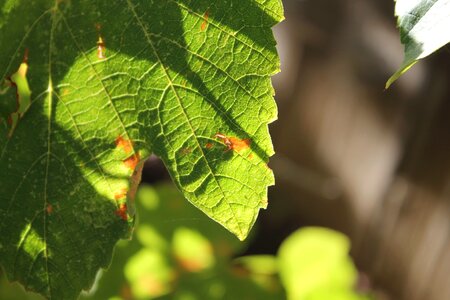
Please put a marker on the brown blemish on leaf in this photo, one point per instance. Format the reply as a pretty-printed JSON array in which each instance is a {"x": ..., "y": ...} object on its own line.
[
  {"x": 101, "y": 49},
  {"x": 125, "y": 144},
  {"x": 120, "y": 194},
  {"x": 239, "y": 145},
  {"x": 209, "y": 145},
  {"x": 233, "y": 143},
  {"x": 122, "y": 211},
  {"x": 186, "y": 150},
  {"x": 250, "y": 156},
  {"x": 65, "y": 92},
  {"x": 49, "y": 209},
  {"x": 25, "y": 57},
  {"x": 205, "y": 21},
  {"x": 132, "y": 161}
]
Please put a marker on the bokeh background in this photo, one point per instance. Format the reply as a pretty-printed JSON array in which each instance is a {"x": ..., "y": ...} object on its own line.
[{"x": 370, "y": 163}]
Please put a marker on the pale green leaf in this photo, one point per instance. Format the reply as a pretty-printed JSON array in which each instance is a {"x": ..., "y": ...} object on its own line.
[
  {"x": 424, "y": 28},
  {"x": 314, "y": 264},
  {"x": 112, "y": 82}
]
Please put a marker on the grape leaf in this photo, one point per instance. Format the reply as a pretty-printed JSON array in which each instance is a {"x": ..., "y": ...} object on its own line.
[
  {"x": 424, "y": 28},
  {"x": 111, "y": 82}
]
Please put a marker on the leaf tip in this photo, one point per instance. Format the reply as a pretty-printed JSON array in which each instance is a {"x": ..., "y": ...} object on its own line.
[{"x": 405, "y": 67}]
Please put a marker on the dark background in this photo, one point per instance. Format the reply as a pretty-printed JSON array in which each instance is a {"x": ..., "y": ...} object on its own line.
[{"x": 369, "y": 162}]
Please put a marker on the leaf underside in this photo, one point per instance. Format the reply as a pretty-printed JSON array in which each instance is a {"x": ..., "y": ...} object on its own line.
[
  {"x": 424, "y": 28},
  {"x": 112, "y": 82}
]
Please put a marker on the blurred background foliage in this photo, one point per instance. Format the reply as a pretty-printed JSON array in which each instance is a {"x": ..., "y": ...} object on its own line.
[{"x": 178, "y": 253}]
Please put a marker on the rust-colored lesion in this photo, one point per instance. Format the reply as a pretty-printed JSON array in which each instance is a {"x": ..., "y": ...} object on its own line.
[
  {"x": 101, "y": 48},
  {"x": 124, "y": 143},
  {"x": 122, "y": 211},
  {"x": 209, "y": 145},
  {"x": 233, "y": 143},
  {"x": 135, "y": 164},
  {"x": 132, "y": 161},
  {"x": 204, "y": 24},
  {"x": 121, "y": 194},
  {"x": 49, "y": 209},
  {"x": 127, "y": 146}
]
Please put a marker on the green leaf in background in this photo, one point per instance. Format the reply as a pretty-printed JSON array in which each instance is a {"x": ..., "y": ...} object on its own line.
[
  {"x": 159, "y": 261},
  {"x": 111, "y": 82},
  {"x": 14, "y": 291},
  {"x": 176, "y": 253},
  {"x": 314, "y": 264},
  {"x": 424, "y": 27}
]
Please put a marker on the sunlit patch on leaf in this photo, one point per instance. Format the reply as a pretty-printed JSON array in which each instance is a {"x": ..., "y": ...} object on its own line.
[{"x": 19, "y": 82}]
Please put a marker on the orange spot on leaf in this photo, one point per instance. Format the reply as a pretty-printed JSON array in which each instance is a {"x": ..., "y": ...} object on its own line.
[
  {"x": 132, "y": 161},
  {"x": 101, "y": 49},
  {"x": 250, "y": 156},
  {"x": 125, "y": 144},
  {"x": 121, "y": 194},
  {"x": 233, "y": 143},
  {"x": 238, "y": 144},
  {"x": 209, "y": 145},
  {"x": 205, "y": 21},
  {"x": 49, "y": 209},
  {"x": 122, "y": 211}
]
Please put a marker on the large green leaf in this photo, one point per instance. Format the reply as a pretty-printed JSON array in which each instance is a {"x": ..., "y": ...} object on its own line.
[
  {"x": 110, "y": 83},
  {"x": 314, "y": 265},
  {"x": 424, "y": 27}
]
